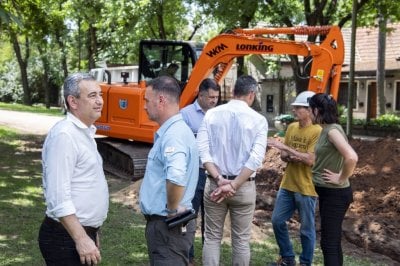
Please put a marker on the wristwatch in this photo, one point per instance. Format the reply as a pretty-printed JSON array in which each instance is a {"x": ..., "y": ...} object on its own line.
[{"x": 171, "y": 212}]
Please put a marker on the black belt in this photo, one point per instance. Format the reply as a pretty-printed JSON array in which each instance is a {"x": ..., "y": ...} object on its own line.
[
  {"x": 232, "y": 177},
  {"x": 154, "y": 217},
  {"x": 58, "y": 225}
]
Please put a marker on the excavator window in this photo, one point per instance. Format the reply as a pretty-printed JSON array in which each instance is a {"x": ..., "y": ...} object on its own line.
[{"x": 161, "y": 57}]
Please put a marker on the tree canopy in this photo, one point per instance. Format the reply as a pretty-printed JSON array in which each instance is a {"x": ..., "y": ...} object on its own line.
[{"x": 48, "y": 39}]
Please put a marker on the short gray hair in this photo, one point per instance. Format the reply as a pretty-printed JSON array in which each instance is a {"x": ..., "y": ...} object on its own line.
[
  {"x": 245, "y": 85},
  {"x": 71, "y": 85}
]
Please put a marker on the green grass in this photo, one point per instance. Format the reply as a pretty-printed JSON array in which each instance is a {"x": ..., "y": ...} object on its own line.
[
  {"x": 122, "y": 241},
  {"x": 32, "y": 109}
]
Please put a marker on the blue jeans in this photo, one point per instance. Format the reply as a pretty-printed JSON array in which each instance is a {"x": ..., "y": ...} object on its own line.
[
  {"x": 286, "y": 204},
  {"x": 333, "y": 204}
]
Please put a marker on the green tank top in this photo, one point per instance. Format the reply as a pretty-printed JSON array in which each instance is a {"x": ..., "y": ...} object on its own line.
[{"x": 327, "y": 157}]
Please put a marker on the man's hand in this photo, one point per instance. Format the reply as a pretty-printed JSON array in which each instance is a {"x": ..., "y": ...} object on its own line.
[
  {"x": 275, "y": 143},
  {"x": 87, "y": 250},
  {"x": 179, "y": 210},
  {"x": 222, "y": 192}
]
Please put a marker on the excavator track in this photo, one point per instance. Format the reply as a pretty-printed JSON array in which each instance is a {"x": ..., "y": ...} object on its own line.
[{"x": 123, "y": 158}]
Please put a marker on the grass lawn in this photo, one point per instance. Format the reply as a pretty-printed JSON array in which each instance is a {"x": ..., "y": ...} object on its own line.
[
  {"x": 31, "y": 109},
  {"x": 123, "y": 242}
]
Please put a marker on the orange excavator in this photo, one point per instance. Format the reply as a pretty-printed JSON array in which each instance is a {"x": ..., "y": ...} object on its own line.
[{"x": 126, "y": 124}]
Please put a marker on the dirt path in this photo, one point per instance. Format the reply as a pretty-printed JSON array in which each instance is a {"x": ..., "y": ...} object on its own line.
[{"x": 28, "y": 122}]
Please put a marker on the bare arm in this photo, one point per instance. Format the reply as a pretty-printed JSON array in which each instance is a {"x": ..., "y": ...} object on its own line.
[
  {"x": 349, "y": 155},
  {"x": 174, "y": 196},
  {"x": 289, "y": 154},
  {"x": 87, "y": 250}
]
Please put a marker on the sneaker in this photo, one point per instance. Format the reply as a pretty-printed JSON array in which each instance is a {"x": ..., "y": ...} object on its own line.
[{"x": 284, "y": 262}]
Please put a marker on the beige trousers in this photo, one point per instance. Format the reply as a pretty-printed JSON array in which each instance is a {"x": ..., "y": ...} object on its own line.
[{"x": 241, "y": 210}]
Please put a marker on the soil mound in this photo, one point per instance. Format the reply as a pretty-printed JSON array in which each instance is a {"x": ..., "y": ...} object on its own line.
[{"x": 373, "y": 220}]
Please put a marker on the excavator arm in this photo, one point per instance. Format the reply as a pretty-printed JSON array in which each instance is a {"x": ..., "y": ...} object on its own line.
[
  {"x": 124, "y": 118},
  {"x": 327, "y": 57}
]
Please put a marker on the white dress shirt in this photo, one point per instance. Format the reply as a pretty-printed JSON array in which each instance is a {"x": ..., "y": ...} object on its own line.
[
  {"x": 233, "y": 136},
  {"x": 73, "y": 176}
]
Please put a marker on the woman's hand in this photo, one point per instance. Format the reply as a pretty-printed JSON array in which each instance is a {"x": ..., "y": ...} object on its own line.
[{"x": 332, "y": 178}]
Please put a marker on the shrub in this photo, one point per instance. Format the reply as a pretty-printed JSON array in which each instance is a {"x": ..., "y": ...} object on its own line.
[
  {"x": 385, "y": 120},
  {"x": 10, "y": 85}
]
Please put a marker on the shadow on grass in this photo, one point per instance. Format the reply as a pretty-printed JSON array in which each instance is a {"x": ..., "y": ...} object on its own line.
[
  {"x": 123, "y": 239},
  {"x": 21, "y": 203}
]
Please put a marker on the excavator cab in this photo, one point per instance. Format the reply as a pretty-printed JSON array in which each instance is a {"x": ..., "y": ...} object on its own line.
[
  {"x": 172, "y": 58},
  {"x": 123, "y": 115}
]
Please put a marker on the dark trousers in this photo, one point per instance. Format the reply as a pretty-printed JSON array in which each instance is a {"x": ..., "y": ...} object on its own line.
[
  {"x": 57, "y": 246},
  {"x": 198, "y": 205},
  {"x": 168, "y": 247},
  {"x": 333, "y": 204}
]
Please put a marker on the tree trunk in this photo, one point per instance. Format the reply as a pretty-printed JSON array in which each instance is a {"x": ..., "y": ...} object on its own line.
[
  {"x": 351, "y": 88},
  {"x": 22, "y": 66},
  {"x": 92, "y": 46},
  {"x": 380, "y": 72},
  {"x": 63, "y": 54},
  {"x": 79, "y": 44},
  {"x": 45, "y": 79}
]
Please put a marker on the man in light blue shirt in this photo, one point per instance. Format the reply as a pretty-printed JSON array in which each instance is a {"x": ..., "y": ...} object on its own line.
[
  {"x": 171, "y": 176},
  {"x": 232, "y": 142},
  {"x": 193, "y": 115}
]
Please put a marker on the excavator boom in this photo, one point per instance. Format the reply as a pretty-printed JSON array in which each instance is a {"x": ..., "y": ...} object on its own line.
[
  {"x": 124, "y": 117},
  {"x": 327, "y": 56}
]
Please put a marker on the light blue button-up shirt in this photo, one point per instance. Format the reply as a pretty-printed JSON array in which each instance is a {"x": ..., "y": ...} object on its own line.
[
  {"x": 174, "y": 157},
  {"x": 193, "y": 116},
  {"x": 233, "y": 136}
]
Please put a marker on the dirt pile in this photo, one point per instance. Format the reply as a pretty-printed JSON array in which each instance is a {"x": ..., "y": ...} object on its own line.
[{"x": 373, "y": 220}]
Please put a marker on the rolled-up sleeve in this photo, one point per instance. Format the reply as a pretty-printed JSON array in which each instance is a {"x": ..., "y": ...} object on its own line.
[
  {"x": 203, "y": 143},
  {"x": 59, "y": 164},
  {"x": 258, "y": 149}
]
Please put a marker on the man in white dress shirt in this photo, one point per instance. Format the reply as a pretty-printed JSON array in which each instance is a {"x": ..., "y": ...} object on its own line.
[
  {"x": 75, "y": 188},
  {"x": 232, "y": 141}
]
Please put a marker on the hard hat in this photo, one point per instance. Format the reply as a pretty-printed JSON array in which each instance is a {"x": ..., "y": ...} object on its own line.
[{"x": 303, "y": 98}]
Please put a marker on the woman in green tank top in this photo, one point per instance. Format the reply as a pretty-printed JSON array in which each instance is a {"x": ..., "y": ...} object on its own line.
[{"x": 334, "y": 164}]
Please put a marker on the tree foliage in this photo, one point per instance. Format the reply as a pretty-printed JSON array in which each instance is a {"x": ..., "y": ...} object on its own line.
[{"x": 51, "y": 38}]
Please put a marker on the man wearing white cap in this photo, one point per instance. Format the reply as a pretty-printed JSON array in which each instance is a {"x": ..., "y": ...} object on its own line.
[{"x": 297, "y": 191}]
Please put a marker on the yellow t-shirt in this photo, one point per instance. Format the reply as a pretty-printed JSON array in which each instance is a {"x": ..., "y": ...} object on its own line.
[{"x": 298, "y": 176}]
